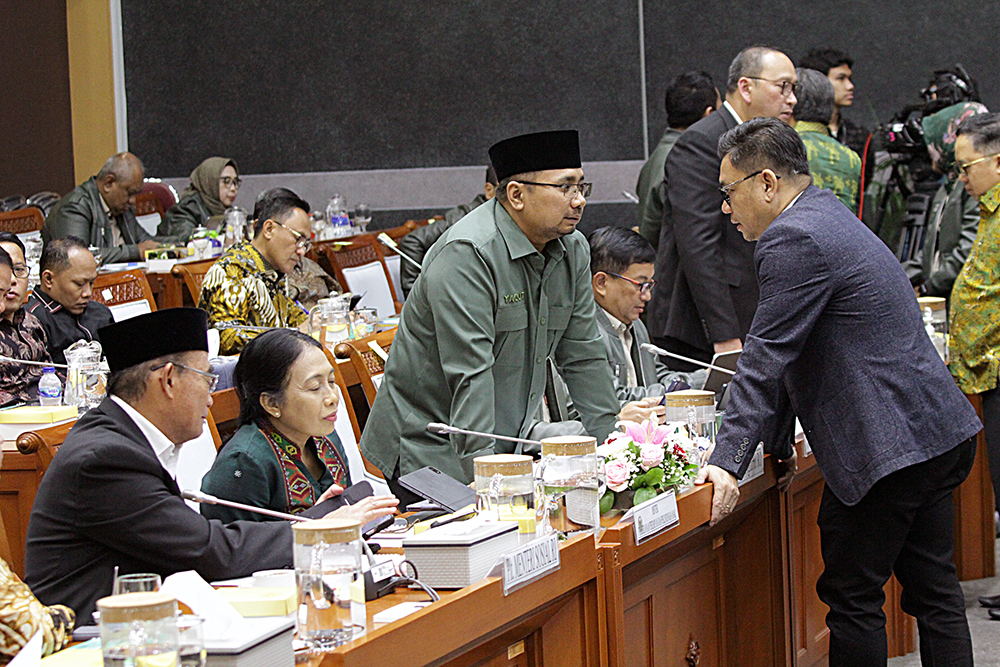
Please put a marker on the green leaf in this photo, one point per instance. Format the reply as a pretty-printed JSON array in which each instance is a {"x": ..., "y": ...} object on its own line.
[
  {"x": 654, "y": 476},
  {"x": 642, "y": 495},
  {"x": 638, "y": 481},
  {"x": 607, "y": 500}
]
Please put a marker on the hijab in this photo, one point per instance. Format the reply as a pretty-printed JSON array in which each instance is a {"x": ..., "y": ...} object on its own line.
[
  {"x": 205, "y": 181},
  {"x": 939, "y": 131}
]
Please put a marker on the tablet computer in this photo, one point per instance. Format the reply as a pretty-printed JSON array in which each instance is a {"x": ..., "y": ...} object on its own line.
[{"x": 432, "y": 484}]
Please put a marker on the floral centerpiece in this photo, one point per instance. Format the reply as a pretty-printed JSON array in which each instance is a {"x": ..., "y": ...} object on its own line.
[{"x": 644, "y": 460}]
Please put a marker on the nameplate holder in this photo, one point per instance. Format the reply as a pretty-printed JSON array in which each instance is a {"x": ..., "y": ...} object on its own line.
[
  {"x": 530, "y": 562},
  {"x": 756, "y": 468},
  {"x": 655, "y": 516},
  {"x": 383, "y": 571}
]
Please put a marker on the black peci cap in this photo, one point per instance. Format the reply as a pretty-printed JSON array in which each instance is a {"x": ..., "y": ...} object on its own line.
[
  {"x": 147, "y": 337},
  {"x": 559, "y": 149}
]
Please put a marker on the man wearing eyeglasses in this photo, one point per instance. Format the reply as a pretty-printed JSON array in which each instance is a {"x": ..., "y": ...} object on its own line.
[
  {"x": 110, "y": 499},
  {"x": 248, "y": 285},
  {"x": 621, "y": 267},
  {"x": 21, "y": 334},
  {"x": 975, "y": 298},
  {"x": 504, "y": 289},
  {"x": 101, "y": 211},
  {"x": 838, "y": 340},
  {"x": 706, "y": 291}
]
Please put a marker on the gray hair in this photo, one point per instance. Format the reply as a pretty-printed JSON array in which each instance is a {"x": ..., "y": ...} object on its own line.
[
  {"x": 501, "y": 192},
  {"x": 984, "y": 131},
  {"x": 765, "y": 143},
  {"x": 121, "y": 166},
  {"x": 748, "y": 63},
  {"x": 815, "y": 97}
]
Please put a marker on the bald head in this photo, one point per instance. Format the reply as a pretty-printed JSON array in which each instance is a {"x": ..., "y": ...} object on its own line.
[{"x": 119, "y": 181}]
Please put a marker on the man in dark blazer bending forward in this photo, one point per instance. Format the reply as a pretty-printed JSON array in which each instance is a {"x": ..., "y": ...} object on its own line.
[{"x": 838, "y": 340}]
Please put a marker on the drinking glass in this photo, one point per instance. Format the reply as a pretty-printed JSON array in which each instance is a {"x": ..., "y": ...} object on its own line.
[
  {"x": 96, "y": 252},
  {"x": 362, "y": 216},
  {"x": 139, "y": 629},
  {"x": 137, "y": 583},
  {"x": 191, "y": 641},
  {"x": 570, "y": 474},
  {"x": 364, "y": 322}
]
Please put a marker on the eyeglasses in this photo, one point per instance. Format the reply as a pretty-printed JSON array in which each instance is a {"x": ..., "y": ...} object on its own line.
[
  {"x": 213, "y": 379},
  {"x": 301, "y": 242},
  {"x": 726, "y": 188},
  {"x": 19, "y": 270},
  {"x": 960, "y": 169},
  {"x": 230, "y": 182},
  {"x": 644, "y": 287},
  {"x": 787, "y": 87},
  {"x": 569, "y": 190}
]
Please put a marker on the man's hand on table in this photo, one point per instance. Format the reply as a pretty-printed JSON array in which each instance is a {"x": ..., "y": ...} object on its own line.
[
  {"x": 725, "y": 494},
  {"x": 147, "y": 245},
  {"x": 638, "y": 411}
]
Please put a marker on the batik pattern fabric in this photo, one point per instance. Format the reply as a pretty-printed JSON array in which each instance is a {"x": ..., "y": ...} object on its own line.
[
  {"x": 242, "y": 288},
  {"x": 22, "y": 615},
  {"x": 974, "y": 329},
  {"x": 300, "y": 492},
  {"x": 833, "y": 165},
  {"x": 21, "y": 338}
]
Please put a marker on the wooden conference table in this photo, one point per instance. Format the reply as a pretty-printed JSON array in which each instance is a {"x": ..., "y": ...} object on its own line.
[{"x": 739, "y": 593}]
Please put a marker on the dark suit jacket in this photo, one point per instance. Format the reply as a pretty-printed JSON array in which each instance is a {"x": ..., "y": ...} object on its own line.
[
  {"x": 107, "y": 501},
  {"x": 63, "y": 328},
  {"x": 839, "y": 329},
  {"x": 706, "y": 290},
  {"x": 80, "y": 214}
]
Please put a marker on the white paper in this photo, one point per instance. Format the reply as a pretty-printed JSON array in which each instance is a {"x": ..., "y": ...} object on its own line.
[
  {"x": 221, "y": 618},
  {"x": 401, "y": 610},
  {"x": 124, "y": 311},
  {"x": 31, "y": 653}
]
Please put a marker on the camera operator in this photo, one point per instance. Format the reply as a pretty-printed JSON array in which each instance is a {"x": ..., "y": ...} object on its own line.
[{"x": 954, "y": 214}]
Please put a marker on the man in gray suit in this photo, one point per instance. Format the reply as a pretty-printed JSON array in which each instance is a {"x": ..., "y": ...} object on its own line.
[
  {"x": 838, "y": 340},
  {"x": 101, "y": 212},
  {"x": 621, "y": 269}
]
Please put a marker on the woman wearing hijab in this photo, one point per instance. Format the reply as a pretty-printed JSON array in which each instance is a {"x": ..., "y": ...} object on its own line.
[{"x": 213, "y": 188}]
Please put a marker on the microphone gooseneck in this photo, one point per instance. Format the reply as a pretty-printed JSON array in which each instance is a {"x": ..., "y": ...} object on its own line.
[
  {"x": 387, "y": 240},
  {"x": 649, "y": 347},
  {"x": 445, "y": 429},
  {"x": 199, "y": 497}
]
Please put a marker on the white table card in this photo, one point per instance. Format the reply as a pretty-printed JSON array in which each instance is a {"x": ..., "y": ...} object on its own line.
[
  {"x": 654, "y": 516},
  {"x": 530, "y": 562}
]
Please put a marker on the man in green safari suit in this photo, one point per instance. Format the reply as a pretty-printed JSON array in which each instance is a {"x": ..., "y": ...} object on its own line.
[{"x": 504, "y": 288}]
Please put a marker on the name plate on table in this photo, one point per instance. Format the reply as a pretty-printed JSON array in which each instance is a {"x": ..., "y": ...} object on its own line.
[
  {"x": 756, "y": 468},
  {"x": 654, "y": 516},
  {"x": 530, "y": 562}
]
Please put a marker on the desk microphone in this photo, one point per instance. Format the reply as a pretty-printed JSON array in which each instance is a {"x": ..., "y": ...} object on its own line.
[
  {"x": 444, "y": 429},
  {"x": 385, "y": 239},
  {"x": 240, "y": 327},
  {"x": 26, "y": 362},
  {"x": 199, "y": 497},
  {"x": 648, "y": 347}
]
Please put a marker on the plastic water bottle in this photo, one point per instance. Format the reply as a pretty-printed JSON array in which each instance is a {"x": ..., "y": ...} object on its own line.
[
  {"x": 338, "y": 220},
  {"x": 49, "y": 388}
]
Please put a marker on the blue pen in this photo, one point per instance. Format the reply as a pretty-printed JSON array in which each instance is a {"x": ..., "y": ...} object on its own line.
[{"x": 304, "y": 309}]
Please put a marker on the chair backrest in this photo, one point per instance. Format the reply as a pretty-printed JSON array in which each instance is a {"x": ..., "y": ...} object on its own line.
[
  {"x": 148, "y": 212},
  {"x": 122, "y": 292},
  {"x": 21, "y": 221},
  {"x": 360, "y": 267},
  {"x": 367, "y": 363},
  {"x": 163, "y": 192},
  {"x": 43, "y": 443},
  {"x": 222, "y": 416},
  {"x": 193, "y": 274},
  {"x": 392, "y": 258},
  {"x": 351, "y": 447}
]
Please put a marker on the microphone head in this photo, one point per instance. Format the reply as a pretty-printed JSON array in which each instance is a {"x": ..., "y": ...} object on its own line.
[
  {"x": 386, "y": 239},
  {"x": 437, "y": 427}
]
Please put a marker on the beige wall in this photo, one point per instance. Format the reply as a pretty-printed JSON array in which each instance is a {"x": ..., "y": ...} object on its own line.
[{"x": 91, "y": 83}]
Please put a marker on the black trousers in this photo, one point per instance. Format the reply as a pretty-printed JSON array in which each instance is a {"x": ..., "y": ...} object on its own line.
[
  {"x": 991, "y": 425},
  {"x": 903, "y": 525}
]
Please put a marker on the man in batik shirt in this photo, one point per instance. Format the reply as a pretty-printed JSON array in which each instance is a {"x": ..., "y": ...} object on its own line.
[
  {"x": 21, "y": 334},
  {"x": 248, "y": 286}
]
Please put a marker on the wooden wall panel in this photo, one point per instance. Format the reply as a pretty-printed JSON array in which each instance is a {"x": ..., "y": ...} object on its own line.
[{"x": 18, "y": 485}]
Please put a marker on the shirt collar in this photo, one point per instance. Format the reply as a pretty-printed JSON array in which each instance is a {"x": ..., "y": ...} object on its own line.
[
  {"x": 991, "y": 200},
  {"x": 263, "y": 266},
  {"x": 616, "y": 324},
  {"x": 791, "y": 202},
  {"x": 50, "y": 304},
  {"x": 104, "y": 204},
  {"x": 517, "y": 242},
  {"x": 809, "y": 126},
  {"x": 729, "y": 107},
  {"x": 165, "y": 450}
]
